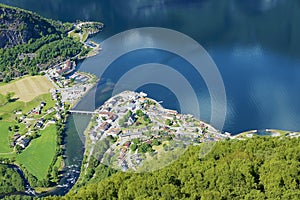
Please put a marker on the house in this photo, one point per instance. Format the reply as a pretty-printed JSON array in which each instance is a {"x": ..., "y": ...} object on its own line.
[
  {"x": 131, "y": 120},
  {"x": 16, "y": 136},
  {"x": 43, "y": 104},
  {"x": 108, "y": 115},
  {"x": 52, "y": 121},
  {"x": 123, "y": 110},
  {"x": 12, "y": 144},
  {"x": 168, "y": 117},
  {"x": 39, "y": 125},
  {"x": 23, "y": 142},
  {"x": 113, "y": 117},
  {"x": 65, "y": 68},
  {"x": 124, "y": 166},
  {"x": 19, "y": 113},
  {"x": 57, "y": 115},
  {"x": 131, "y": 106},
  {"x": 171, "y": 112},
  {"x": 93, "y": 138},
  {"x": 114, "y": 131},
  {"x": 149, "y": 142},
  {"x": 142, "y": 100},
  {"x": 36, "y": 111},
  {"x": 105, "y": 126},
  {"x": 105, "y": 114},
  {"x": 127, "y": 144}
]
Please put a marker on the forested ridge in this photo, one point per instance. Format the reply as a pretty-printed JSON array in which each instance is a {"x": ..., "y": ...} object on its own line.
[{"x": 258, "y": 168}]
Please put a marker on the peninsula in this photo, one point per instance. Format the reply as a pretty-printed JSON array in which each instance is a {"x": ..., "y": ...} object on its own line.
[{"x": 138, "y": 129}]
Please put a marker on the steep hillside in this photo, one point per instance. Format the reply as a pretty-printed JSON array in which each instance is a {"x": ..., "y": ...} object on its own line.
[
  {"x": 258, "y": 168},
  {"x": 18, "y": 26}
]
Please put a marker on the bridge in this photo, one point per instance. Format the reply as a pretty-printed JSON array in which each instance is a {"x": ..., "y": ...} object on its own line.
[{"x": 82, "y": 112}]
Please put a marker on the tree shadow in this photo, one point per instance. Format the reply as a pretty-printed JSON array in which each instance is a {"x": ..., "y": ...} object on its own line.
[{"x": 13, "y": 100}]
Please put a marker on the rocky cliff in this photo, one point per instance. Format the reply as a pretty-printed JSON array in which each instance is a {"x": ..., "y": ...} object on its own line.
[{"x": 18, "y": 26}]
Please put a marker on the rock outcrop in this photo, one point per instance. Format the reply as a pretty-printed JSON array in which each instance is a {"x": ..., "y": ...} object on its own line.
[{"x": 18, "y": 26}]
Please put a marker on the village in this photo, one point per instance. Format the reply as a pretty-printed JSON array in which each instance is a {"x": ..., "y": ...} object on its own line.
[
  {"x": 71, "y": 84},
  {"x": 38, "y": 118},
  {"x": 139, "y": 127},
  {"x": 70, "y": 87}
]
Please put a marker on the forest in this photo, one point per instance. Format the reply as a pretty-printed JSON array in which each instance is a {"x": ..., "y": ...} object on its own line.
[
  {"x": 36, "y": 55},
  {"x": 10, "y": 180},
  {"x": 258, "y": 168}
]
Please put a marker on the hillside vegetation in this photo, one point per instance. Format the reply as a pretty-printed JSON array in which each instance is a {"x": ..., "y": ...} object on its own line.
[{"x": 258, "y": 168}]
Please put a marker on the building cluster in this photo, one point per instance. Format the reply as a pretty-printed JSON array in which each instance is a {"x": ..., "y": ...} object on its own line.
[
  {"x": 73, "y": 87},
  {"x": 114, "y": 110},
  {"x": 131, "y": 115},
  {"x": 35, "y": 119},
  {"x": 61, "y": 70}
]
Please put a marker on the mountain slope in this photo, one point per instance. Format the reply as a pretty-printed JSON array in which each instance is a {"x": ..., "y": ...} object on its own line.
[
  {"x": 18, "y": 26},
  {"x": 258, "y": 168}
]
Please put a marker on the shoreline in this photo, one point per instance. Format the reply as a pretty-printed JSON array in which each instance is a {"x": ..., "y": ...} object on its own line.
[
  {"x": 103, "y": 124},
  {"x": 93, "y": 85},
  {"x": 266, "y": 132}
]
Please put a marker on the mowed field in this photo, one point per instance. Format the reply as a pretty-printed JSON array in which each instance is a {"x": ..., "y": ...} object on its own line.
[
  {"x": 38, "y": 156},
  {"x": 26, "y": 89}
]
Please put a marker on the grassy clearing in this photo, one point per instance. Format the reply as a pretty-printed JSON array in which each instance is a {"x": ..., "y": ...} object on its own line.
[
  {"x": 8, "y": 118},
  {"x": 85, "y": 36},
  {"x": 59, "y": 163},
  {"x": 28, "y": 88},
  {"x": 38, "y": 156},
  {"x": 74, "y": 35},
  {"x": 4, "y": 141},
  {"x": 7, "y": 110}
]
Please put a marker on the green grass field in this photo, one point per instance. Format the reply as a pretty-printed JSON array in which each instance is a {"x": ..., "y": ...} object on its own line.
[
  {"x": 4, "y": 141},
  {"x": 7, "y": 110},
  {"x": 37, "y": 157},
  {"x": 85, "y": 36}
]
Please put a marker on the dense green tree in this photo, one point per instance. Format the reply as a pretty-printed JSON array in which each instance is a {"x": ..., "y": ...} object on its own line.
[
  {"x": 10, "y": 180},
  {"x": 258, "y": 168},
  {"x": 168, "y": 122}
]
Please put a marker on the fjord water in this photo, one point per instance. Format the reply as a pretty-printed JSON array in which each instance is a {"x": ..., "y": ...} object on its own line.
[{"x": 255, "y": 45}]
